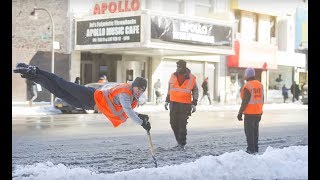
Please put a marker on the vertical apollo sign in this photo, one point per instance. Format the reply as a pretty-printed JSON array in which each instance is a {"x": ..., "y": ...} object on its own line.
[{"x": 107, "y": 31}]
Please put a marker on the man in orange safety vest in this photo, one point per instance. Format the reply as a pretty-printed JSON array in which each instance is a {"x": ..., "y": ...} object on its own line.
[{"x": 252, "y": 103}]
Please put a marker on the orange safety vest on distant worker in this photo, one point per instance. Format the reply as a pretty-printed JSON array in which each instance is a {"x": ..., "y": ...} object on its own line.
[
  {"x": 256, "y": 100},
  {"x": 181, "y": 94},
  {"x": 104, "y": 99},
  {"x": 102, "y": 81}
]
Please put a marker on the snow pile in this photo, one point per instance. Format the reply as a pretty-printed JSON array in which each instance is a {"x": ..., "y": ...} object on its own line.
[{"x": 286, "y": 163}]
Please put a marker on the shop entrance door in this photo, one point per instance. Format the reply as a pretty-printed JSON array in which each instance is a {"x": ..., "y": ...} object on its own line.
[{"x": 86, "y": 72}]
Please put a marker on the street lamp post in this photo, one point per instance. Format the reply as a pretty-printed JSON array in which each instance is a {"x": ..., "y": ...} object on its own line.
[{"x": 33, "y": 13}]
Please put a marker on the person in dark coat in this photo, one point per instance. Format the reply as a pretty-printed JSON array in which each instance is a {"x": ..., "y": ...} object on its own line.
[
  {"x": 77, "y": 80},
  {"x": 284, "y": 93},
  {"x": 182, "y": 96},
  {"x": 295, "y": 91},
  {"x": 205, "y": 90},
  {"x": 32, "y": 92}
]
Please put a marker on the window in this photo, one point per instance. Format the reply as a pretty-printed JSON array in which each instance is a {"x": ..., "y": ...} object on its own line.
[
  {"x": 264, "y": 29},
  {"x": 203, "y": 7},
  {"x": 273, "y": 26},
  {"x": 173, "y": 6},
  {"x": 206, "y": 7},
  {"x": 248, "y": 26}
]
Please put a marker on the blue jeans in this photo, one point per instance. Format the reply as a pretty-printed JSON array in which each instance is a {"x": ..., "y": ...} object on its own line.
[{"x": 77, "y": 95}]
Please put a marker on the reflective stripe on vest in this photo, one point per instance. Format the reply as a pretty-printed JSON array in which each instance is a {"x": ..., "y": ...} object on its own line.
[
  {"x": 256, "y": 100},
  {"x": 113, "y": 109},
  {"x": 181, "y": 93},
  {"x": 104, "y": 99}
]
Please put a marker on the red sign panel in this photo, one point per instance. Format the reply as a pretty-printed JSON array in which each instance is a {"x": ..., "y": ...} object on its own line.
[{"x": 116, "y": 6}]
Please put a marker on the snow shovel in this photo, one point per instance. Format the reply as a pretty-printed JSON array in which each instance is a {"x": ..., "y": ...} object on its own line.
[{"x": 151, "y": 149}]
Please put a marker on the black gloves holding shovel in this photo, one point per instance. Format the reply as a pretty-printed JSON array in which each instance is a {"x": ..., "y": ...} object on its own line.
[{"x": 145, "y": 124}]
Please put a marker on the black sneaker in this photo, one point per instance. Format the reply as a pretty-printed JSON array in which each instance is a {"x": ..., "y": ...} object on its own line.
[
  {"x": 22, "y": 65},
  {"x": 25, "y": 70}
]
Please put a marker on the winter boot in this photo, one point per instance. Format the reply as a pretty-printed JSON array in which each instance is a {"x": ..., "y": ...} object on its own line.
[
  {"x": 179, "y": 147},
  {"x": 250, "y": 152}
]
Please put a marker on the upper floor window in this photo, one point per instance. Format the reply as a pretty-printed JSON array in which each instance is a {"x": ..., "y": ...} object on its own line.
[
  {"x": 248, "y": 28},
  {"x": 203, "y": 7},
  {"x": 206, "y": 7},
  {"x": 264, "y": 29},
  {"x": 172, "y": 6}
]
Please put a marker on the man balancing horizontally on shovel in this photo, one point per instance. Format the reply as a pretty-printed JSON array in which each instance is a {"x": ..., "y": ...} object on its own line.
[{"x": 116, "y": 103}]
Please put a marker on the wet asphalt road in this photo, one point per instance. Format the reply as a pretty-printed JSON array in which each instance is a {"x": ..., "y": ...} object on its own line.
[{"x": 90, "y": 141}]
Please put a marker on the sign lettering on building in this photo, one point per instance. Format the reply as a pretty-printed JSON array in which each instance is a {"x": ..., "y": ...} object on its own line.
[
  {"x": 106, "y": 31},
  {"x": 190, "y": 32},
  {"x": 107, "y": 7}
]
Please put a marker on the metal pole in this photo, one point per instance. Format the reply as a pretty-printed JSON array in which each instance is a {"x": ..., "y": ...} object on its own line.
[{"x": 52, "y": 48}]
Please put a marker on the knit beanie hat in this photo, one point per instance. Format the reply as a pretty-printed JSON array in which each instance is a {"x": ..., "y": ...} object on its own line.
[
  {"x": 182, "y": 63},
  {"x": 140, "y": 82},
  {"x": 249, "y": 73}
]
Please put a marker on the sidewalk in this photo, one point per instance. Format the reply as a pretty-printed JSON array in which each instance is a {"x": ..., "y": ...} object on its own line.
[
  {"x": 44, "y": 108},
  {"x": 26, "y": 103}
]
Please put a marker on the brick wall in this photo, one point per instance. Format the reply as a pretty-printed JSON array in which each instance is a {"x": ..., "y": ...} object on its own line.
[{"x": 30, "y": 36}]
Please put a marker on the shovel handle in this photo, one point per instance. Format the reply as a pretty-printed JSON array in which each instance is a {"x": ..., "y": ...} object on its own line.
[{"x": 151, "y": 149}]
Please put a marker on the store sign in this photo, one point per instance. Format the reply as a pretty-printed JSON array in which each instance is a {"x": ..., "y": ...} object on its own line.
[
  {"x": 108, "y": 7},
  {"x": 106, "y": 31},
  {"x": 190, "y": 32}
]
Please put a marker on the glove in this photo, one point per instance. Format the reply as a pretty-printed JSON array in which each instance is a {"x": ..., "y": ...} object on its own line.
[
  {"x": 145, "y": 121},
  {"x": 240, "y": 117},
  {"x": 193, "y": 108},
  {"x": 146, "y": 125},
  {"x": 143, "y": 117},
  {"x": 166, "y": 105}
]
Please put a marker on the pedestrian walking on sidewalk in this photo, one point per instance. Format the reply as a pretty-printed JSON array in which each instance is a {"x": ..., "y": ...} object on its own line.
[
  {"x": 32, "y": 92},
  {"x": 285, "y": 93},
  {"x": 157, "y": 90},
  {"x": 205, "y": 90},
  {"x": 252, "y": 108},
  {"x": 182, "y": 96},
  {"x": 295, "y": 91},
  {"x": 116, "y": 103}
]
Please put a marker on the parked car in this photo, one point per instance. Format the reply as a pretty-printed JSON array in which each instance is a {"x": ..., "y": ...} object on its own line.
[
  {"x": 304, "y": 94},
  {"x": 64, "y": 107}
]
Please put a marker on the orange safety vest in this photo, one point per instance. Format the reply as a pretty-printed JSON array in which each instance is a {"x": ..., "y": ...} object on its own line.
[
  {"x": 181, "y": 94},
  {"x": 102, "y": 81},
  {"x": 256, "y": 100},
  {"x": 104, "y": 99}
]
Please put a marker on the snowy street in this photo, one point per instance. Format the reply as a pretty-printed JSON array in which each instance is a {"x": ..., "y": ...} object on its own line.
[{"x": 90, "y": 142}]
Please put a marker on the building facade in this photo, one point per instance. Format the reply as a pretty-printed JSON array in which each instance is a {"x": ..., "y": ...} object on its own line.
[{"x": 124, "y": 39}]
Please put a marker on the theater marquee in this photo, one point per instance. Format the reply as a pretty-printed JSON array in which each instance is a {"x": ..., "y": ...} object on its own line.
[{"x": 106, "y": 31}]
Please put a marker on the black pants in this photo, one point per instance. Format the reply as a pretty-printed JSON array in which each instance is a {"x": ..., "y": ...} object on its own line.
[
  {"x": 208, "y": 96},
  {"x": 251, "y": 129},
  {"x": 77, "y": 95},
  {"x": 179, "y": 114}
]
